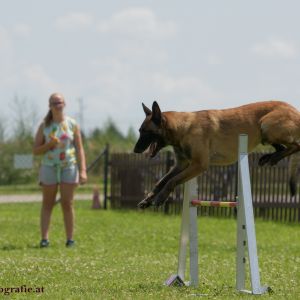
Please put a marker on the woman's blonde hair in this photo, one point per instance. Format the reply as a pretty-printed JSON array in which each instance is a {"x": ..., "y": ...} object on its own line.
[{"x": 49, "y": 117}]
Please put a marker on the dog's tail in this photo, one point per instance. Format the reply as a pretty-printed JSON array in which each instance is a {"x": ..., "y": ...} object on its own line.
[{"x": 293, "y": 172}]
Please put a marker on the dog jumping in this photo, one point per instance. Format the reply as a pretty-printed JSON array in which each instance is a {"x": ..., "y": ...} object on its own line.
[{"x": 210, "y": 137}]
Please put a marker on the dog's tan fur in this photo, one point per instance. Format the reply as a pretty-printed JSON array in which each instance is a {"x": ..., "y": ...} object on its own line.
[{"x": 210, "y": 137}]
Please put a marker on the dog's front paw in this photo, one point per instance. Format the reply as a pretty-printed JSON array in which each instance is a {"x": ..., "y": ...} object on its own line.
[
  {"x": 144, "y": 204},
  {"x": 159, "y": 200}
]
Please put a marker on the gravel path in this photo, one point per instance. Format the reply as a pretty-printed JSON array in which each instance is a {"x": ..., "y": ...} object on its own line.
[{"x": 36, "y": 198}]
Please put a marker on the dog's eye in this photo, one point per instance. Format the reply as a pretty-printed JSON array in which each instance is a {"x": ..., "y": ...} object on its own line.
[{"x": 144, "y": 131}]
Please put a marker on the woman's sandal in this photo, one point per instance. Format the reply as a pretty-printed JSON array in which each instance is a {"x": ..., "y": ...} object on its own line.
[
  {"x": 44, "y": 243},
  {"x": 70, "y": 243}
]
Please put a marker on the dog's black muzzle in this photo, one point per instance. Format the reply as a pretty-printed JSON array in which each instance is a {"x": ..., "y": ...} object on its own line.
[{"x": 143, "y": 143}]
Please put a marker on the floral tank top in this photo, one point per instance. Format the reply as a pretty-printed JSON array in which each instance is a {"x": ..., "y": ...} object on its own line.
[{"x": 64, "y": 154}]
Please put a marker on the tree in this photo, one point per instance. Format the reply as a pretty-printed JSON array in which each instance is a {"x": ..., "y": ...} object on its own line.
[
  {"x": 131, "y": 136},
  {"x": 2, "y": 130},
  {"x": 25, "y": 118},
  {"x": 112, "y": 131},
  {"x": 20, "y": 141}
]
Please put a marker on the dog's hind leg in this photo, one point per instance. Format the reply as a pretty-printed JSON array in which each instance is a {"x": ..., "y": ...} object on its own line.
[
  {"x": 277, "y": 156},
  {"x": 281, "y": 128},
  {"x": 266, "y": 157},
  {"x": 293, "y": 172}
]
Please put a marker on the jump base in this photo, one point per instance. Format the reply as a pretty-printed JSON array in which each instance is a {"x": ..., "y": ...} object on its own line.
[{"x": 175, "y": 280}]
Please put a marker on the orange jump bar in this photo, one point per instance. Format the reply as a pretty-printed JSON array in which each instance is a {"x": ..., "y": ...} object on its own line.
[{"x": 213, "y": 203}]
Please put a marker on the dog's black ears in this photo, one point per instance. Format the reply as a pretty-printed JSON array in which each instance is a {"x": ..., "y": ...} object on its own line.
[
  {"x": 156, "y": 113},
  {"x": 147, "y": 110}
]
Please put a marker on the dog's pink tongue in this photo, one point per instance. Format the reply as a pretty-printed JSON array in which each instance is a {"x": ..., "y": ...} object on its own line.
[
  {"x": 153, "y": 149},
  {"x": 147, "y": 152},
  {"x": 150, "y": 152}
]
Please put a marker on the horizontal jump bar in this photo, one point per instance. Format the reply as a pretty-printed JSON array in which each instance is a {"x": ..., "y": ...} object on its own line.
[{"x": 213, "y": 203}]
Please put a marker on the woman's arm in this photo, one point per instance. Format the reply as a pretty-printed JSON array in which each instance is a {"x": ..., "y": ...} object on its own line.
[
  {"x": 40, "y": 147},
  {"x": 80, "y": 155}
]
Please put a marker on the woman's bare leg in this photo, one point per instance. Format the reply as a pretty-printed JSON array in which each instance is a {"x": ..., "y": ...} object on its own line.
[
  {"x": 67, "y": 196},
  {"x": 49, "y": 196}
]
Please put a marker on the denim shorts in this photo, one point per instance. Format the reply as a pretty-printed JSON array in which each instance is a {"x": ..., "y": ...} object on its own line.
[{"x": 50, "y": 175}]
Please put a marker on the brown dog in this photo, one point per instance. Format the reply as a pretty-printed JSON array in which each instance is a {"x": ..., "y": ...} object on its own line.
[{"x": 210, "y": 137}]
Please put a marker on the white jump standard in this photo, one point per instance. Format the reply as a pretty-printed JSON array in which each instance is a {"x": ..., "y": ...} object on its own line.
[{"x": 246, "y": 239}]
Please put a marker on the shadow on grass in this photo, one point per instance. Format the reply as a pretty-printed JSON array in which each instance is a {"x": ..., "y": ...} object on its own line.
[
  {"x": 150, "y": 286},
  {"x": 10, "y": 247},
  {"x": 33, "y": 246}
]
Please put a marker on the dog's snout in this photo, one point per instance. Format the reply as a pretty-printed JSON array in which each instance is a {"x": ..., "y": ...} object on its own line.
[{"x": 137, "y": 148}]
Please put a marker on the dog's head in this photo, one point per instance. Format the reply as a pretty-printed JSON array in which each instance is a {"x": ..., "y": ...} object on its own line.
[{"x": 151, "y": 131}]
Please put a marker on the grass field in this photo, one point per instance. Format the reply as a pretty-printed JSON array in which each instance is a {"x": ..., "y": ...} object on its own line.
[
  {"x": 20, "y": 189},
  {"x": 128, "y": 255}
]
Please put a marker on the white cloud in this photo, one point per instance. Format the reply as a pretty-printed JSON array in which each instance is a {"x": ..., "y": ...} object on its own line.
[
  {"x": 137, "y": 22},
  {"x": 74, "y": 21},
  {"x": 124, "y": 88},
  {"x": 276, "y": 48},
  {"x": 213, "y": 59},
  {"x": 7, "y": 52},
  {"x": 22, "y": 30},
  {"x": 185, "y": 90},
  {"x": 37, "y": 76},
  {"x": 118, "y": 78},
  {"x": 5, "y": 40}
]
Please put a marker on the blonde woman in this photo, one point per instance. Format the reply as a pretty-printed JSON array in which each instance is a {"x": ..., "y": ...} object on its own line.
[{"x": 63, "y": 165}]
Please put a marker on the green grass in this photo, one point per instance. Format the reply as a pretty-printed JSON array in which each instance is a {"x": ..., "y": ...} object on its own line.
[
  {"x": 19, "y": 189},
  {"x": 128, "y": 255},
  {"x": 25, "y": 189}
]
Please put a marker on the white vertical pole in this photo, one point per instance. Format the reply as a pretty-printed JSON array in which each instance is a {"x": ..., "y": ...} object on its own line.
[
  {"x": 246, "y": 199},
  {"x": 241, "y": 226},
  {"x": 194, "y": 273},
  {"x": 184, "y": 233},
  {"x": 250, "y": 229}
]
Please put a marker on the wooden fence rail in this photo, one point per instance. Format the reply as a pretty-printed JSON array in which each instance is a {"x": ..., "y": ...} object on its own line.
[{"x": 133, "y": 176}]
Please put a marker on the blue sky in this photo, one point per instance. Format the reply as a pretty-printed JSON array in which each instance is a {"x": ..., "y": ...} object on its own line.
[{"x": 187, "y": 55}]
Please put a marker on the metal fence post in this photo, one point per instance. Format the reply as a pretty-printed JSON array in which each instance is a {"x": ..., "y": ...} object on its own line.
[{"x": 106, "y": 162}]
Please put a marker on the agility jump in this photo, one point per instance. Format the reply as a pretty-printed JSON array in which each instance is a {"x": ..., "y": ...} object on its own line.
[{"x": 246, "y": 238}]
